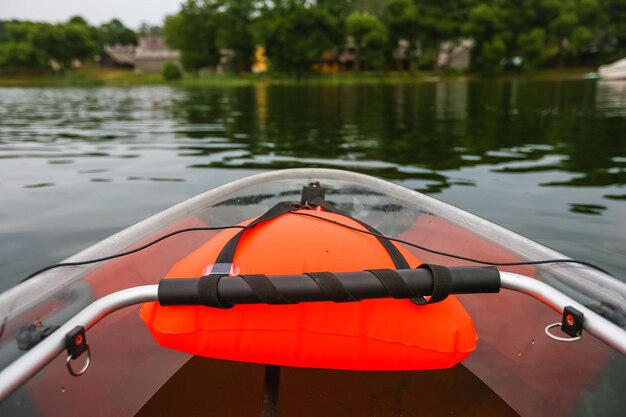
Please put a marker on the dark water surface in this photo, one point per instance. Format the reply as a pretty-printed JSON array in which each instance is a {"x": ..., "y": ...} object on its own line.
[{"x": 545, "y": 159}]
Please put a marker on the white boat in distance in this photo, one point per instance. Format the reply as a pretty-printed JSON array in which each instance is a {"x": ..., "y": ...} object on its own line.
[{"x": 614, "y": 71}]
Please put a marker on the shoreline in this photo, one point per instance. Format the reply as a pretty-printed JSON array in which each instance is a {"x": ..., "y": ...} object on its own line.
[{"x": 104, "y": 77}]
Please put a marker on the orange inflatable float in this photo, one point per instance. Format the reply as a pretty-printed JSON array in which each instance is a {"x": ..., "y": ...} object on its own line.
[{"x": 385, "y": 334}]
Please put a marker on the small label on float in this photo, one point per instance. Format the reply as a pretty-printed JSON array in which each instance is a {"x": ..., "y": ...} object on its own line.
[{"x": 221, "y": 269}]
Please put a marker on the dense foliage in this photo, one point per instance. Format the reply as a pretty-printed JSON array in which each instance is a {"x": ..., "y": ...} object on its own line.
[
  {"x": 194, "y": 31},
  {"x": 36, "y": 45},
  {"x": 171, "y": 71},
  {"x": 370, "y": 39},
  {"x": 524, "y": 33},
  {"x": 296, "y": 33},
  {"x": 115, "y": 33}
]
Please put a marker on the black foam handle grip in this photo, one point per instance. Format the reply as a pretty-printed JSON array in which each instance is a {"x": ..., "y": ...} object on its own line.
[
  {"x": 181, "y": 291},
  {"x": 349, "y": 286}
]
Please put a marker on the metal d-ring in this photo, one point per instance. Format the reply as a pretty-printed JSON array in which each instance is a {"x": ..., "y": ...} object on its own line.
[
  {"x": 558, "y": 338},
  {"x": 68, "y": 363}
]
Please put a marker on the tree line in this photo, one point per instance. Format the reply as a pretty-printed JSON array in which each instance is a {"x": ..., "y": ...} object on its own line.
[
  {"x": 296, "y": 33},
  {"x": 35, "y": 45}
]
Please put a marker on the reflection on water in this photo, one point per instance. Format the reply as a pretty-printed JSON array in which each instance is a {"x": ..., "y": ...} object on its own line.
[
  {"x": 610, "y": 96},
  {"x": 547, "y": 159}
]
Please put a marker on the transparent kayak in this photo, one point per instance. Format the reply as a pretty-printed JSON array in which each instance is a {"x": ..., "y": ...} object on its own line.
[{"x": 516, "y": 369}]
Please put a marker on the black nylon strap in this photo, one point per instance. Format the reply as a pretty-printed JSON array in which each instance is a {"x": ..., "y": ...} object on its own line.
[
  {"x": 442, "y": 282},
  {"x": 227, "y": 254},
  {"x": 393, "y": 283},
  {"x": 264, "y": 289},
  {"x": 331, "y": 286},
  {"x": 207, "y": 292},
  {"x": 396, "y": 256}
]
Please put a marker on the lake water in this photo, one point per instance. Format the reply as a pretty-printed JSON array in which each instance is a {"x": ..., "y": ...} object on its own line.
[{"x": 545, "y": 159}]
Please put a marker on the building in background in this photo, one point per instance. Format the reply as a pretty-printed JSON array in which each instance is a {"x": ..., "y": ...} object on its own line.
[
  {"x": 149, "y": 56},
  {"x": 327, "y": 63},
  {"x": 402, "y": 55},
  {"x": 152, "y": 53},
  {"x": 455, "y": 55},
  {"x": 118, "y": 56}
]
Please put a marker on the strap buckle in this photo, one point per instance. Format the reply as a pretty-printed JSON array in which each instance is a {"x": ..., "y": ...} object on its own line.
[{"x": 221, "y": 269}]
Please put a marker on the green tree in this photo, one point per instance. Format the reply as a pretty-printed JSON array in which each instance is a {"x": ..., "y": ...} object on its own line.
[
  {"x": 562, "y": 28},
  {"x": 20, "y": 31},
  {"x": 612, "y": 32},
  {"x": 35, "y": 45},
  {"x": 235, "y": 21},
  {"x": 115, "y": 33},
  {"x": 571, "y": 28},
  {"x": 80, "y": 40},
  {"x": 487, "y": 26},
  {"x": 50, "y": 40},
  {"x": 193, "y": 31},
  {"x": 78, "y": 20},
  {"x": 370, "y": 37},
  {"x": 440, "y": 21},
  {"x": 64, "y": 43},
  {"x": 337, "y": 12},
  {"x": 373, "y": 7},
  {"x": 533, "y": 48},
  {"x": 402, "y": 21},
  {"x": 171, "y": 71},
  {"x": 295, "y": 35},
  {"x": 4, "y": 35},
  {"x": 20, "y": 55}
]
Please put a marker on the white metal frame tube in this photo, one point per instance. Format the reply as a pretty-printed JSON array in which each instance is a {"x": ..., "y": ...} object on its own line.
[
  {"x": 593, "y": 323},
  {"x": 27, "y": 365}
]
